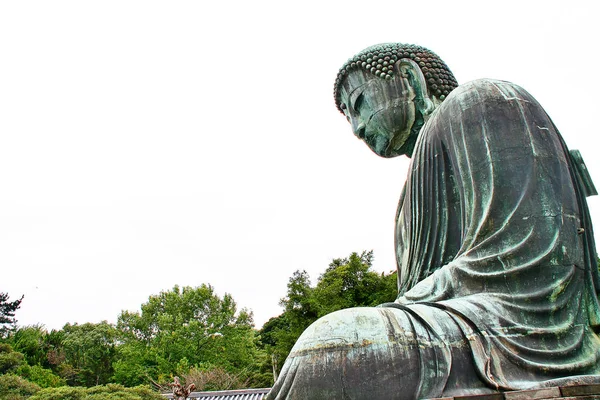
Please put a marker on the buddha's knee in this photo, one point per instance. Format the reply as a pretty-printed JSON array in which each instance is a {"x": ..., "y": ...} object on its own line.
[
  {"x": 354, "y": 328},
  {"x": 373, "y": 353},
  {"x": 359, "y": 345}
]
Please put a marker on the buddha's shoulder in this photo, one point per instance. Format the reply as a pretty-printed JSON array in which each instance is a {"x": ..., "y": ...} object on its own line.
[
  {"x": 475, "y": 100},
  {"x": 482, "y": 89}
]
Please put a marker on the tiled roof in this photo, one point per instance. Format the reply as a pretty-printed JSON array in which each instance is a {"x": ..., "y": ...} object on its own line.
[{"x": 242, "y": 394}]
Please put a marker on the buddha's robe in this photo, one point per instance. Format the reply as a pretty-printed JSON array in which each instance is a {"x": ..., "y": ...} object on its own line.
[{"x": 497, "y": 268}]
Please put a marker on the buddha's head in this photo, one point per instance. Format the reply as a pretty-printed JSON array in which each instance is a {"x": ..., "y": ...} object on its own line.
[{"x": 388, "y": 91}]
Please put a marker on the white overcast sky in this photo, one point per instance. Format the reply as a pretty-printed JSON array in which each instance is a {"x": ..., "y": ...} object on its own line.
[{"x": 147, "y": 144}]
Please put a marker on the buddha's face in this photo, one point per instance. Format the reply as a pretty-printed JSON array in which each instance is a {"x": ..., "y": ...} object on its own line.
[{"x": 381, "y": 111}]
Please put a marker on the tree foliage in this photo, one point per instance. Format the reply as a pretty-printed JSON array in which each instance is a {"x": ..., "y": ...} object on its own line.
[
  {"x": 89, "y": 351},
  {"x": 17, "y": 363},
  {"x": 43, "y": 377},
  {"x": 7, "y": 312},
  {"x": 215, "y": 379},
  {"x": 184, "y": 328},
  {"x": 176, "y": 332},
  {"x": 13, "y": 387},
  {"x": 76, "y": 354},
  {"x": 104, "y": 392},
  {"x": 349, "y": 282},
  {"x": 32, "y": 342},
  {"x": 10, "y": 360}
]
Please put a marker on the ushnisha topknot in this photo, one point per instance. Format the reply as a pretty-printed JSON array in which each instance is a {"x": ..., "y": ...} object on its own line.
[{"x": 380, "y": 58}]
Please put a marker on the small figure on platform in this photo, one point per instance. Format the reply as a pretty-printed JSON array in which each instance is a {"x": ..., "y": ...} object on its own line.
[{"x": 181, "y": 392}]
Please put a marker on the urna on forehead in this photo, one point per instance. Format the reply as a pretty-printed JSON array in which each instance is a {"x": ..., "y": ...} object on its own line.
[{"x": 379, "y": 60}]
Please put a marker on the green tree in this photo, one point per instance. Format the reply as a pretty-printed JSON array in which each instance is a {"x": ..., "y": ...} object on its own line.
[
  {"x": 183, "y": 328},
  {"x": 348, "y": 282},
  {"x": 32, "y": 342},
  {"x": 7, "y": 312},
  {"x": 279, "y": 334},
  {"x": 88, "y": 352}
]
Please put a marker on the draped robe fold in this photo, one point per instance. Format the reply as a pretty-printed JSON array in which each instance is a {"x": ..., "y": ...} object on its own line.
[{"x": 495, "y": 254}]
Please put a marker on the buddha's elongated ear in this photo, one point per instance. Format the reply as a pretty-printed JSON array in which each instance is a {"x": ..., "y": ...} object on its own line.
[{"x": 409, "y": 70}]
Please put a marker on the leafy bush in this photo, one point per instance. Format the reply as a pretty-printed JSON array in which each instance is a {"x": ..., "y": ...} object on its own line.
[
  {"x": 13, "y": 387},
  {"x": 214, "y": 379},
  {"x": 44, "y": 377},
  {"x": 9, "y": 359},
  {"x": 60, "y": 393},
  {"x": 145, "y": 393},
  {"x": 104, "y": 392}
]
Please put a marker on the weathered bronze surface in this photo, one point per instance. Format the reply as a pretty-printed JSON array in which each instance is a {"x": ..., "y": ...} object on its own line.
[{"x": 497, "y": 266}]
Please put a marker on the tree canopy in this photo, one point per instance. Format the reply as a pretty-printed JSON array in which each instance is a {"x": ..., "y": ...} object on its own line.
[
  {"x": 184, "y": 328},
  {"x": 7, "y": 312}
]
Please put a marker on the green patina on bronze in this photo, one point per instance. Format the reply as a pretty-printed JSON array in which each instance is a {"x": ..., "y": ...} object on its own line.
[
  {"x": 496, "y": 257},
  {"x": 379, "y": 60}
]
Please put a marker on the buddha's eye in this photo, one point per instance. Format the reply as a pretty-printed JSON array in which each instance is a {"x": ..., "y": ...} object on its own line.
[{"x": 358, "y": 102}]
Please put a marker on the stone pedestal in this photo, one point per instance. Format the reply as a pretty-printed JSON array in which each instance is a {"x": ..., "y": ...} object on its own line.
[{"x": 578, "y": 392}]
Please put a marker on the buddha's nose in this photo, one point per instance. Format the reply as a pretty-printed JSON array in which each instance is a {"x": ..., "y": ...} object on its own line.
[{"x": 359, "y": 131}]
